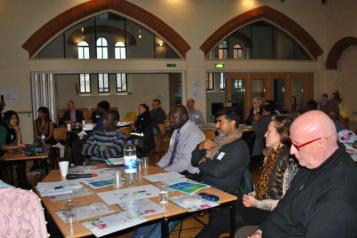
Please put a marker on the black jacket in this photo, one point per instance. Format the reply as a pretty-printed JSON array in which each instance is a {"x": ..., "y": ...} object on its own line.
[
  {"x": 260, "y": 128},
  {"x": 158, "y": 116},
  {"x": 250, "y": 118},
  {"x": 67, "y": 117},
  {"x": 143, "y": 121},
  {"x": 225, "y": 173},
  {"x": 320, "y": 202}
]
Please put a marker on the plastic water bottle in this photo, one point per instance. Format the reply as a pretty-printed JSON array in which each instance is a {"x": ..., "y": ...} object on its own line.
[
  {"x": 43, "y": 137},
  {"x": 130, "y": 163}
]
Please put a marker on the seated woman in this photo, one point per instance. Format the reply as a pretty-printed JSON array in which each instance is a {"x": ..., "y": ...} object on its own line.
[
  {"x": 144, "y": 118},
  {"x": 260, "y": 126},
  {"x": 10, "y": 139},
  {"x": 278, "y": 171},
  {"x": 257, "y": 109},
  {"x": 293, "y": 107},
  {"x": 43, "y": 124}
]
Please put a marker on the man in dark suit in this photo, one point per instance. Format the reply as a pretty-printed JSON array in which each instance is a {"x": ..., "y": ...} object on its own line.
[
  {"x": 158, "y": 115},
  {"x": 72, "y": 115}
]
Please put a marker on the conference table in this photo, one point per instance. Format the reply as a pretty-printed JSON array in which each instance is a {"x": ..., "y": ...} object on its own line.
[
  {"x": 10, "y": 158},
  {"x": 173, "y": 211}
]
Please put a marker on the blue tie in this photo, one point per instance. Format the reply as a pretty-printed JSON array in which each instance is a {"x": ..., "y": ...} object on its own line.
[{"x": 175, "y": 147}]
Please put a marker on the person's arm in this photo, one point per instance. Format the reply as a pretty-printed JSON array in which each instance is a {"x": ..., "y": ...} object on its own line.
[
  {"x": 116, "y": 149},
  {"x": 197, "y": 155},
  {"x": 260, "y": 126},
  {"x": 18, "y": 136},
  {"x": 231, "y": 161},
  {"x": 332, "y": 219},
  {"x": 161, "y": 117},
  {"x": 202, "y": 120},
  {"x": 50, "y": 133}
]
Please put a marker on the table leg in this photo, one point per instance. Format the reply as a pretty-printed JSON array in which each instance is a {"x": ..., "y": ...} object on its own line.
[
  {"x": 232, "y": 220},
  {"x": 165, "y": 227}
]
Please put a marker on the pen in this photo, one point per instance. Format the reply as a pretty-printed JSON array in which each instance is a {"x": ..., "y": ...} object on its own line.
[{"x": 76, "y": 176}]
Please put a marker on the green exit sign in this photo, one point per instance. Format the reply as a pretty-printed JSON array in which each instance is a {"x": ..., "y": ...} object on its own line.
[
  {"x": 171, "y": 65},
  {"x": 219, "y": 65}
]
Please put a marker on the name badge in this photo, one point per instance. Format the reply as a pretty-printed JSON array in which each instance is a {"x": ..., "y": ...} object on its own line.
[
  {"x": 12, "y": 137},
  {"x": 220, "y": 156},
  {"x": 197, "y": 116}
]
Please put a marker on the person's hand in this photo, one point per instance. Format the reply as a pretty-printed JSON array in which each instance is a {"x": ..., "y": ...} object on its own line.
[
  {"x": 107, "y": 148},
  {"x": 257, "y": 234},
  {"x": 248, "y": 200},
  {"x": 16, "y": 128},
  {"x": 257, "y": 116},
  {"x": 21, "y": 146},
  {"x": 206, "y": 145},
  {"x": 69, "y": 122},
  {"x": 202, "y": 160}
]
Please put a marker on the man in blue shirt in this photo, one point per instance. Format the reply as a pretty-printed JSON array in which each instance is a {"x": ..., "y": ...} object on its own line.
[
  {"x": 195, "y": 115},
  {"x": 102, "y": 108}
]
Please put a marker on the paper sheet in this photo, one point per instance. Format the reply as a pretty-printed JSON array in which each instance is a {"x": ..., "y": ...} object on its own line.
[
  {"x": 142, "y": 207},
  {"x": 115, "y": 222},
  {"x": 75, "y": 193},
  {"x": 162, "y": 176},
  {"x": 188, "y": 187},
  {"x": 129, "y": 194},
  {"x": 192, "y": 202},
  {"x": 87, "y": 211},
  {"x": 56, "y": 188},
  {"x": 101, "y": 182}
]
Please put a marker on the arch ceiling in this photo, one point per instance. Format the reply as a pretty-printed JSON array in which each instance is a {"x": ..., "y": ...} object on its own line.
[{"x": 337, "y": 49}]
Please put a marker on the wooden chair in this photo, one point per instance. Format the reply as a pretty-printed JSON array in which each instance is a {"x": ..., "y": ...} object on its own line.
[
  {"x": 58, "y": 134},
  {"x": 127, "y": 119},
  {"x": 131, "y": 115},
  {"x": 126, "y": 131},
  {"x": 209, "y": 134},
  {"x": 114, "y": 108},
  {"x": 163, "y": 140},
  {"x": 85, "y": 113},
  {"x": 63, "y": 111}
]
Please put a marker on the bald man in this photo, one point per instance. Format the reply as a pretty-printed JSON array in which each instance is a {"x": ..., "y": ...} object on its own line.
[
  {"x": 322, "y": 199},
  {"x": 195, "y": 115}
]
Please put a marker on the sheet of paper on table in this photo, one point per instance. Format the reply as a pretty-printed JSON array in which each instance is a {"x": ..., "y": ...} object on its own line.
[
  {"x": 129, "y": 194},
  {"x": 56, "y": 188},
  {"x": 192, "y": 202},
  {"x": 100, "y": 182},
  {"x": 188, "y": 187},
  {"x": 162, "y": 176},
  {"x": 142, "y": 207},
  {"x": 87, "y": 211},
  {"x": 75, "y": 193},
  {"x": 115, "y": 161},
  {"x": 115, "y": 222}
]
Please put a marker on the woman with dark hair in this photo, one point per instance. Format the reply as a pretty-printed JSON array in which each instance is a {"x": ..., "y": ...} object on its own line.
[
  {"x": 10, "y": 139},
  {"x": 144, "y": 118},
  {"x": 43, "y": 125},
  {"x": 293, "y": 107},
  {"x": 2, "y": 107},
  {"x": 278, "y": 171}
]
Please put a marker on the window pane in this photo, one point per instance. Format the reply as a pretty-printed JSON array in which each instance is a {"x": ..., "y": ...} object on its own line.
[
  {"x": 121, "y": 83},
  {"x": 103, "y": 83},
  {"x": 140, "y": 42},
  {"x": 54, "y": 49},
  {"x": 238, "y": 95},
  {"x": 99, "y": 53},
  {"x": 163, "y": 50},
  {"x": 279, "y": 93},
  {"x": 283, "y": 45},
  {"x": 222, "y": 81},
  {"x": 111, "y": 27},
  {"x": 262, "y": 37},
  {"x": 84, "y": 83},
  {"x": 258, "y": 88},
  {"x": 209, "y": 81},
  {"x": 83, "y": 31},
  {"x": 297, "y": 91}
]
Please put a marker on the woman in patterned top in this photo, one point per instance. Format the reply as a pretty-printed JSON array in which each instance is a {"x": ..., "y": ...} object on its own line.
[{"x": 278, "y": 171}]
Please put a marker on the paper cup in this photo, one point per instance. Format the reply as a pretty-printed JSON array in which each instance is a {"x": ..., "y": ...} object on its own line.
[
  {"x": 83, "y": 123},
  {"x": 64, "y": 168},
  {"x": 69, "y": 127}
]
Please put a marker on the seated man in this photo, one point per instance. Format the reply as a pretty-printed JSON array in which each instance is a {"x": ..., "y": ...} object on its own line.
[
  {"x": 102, "y": 108},
  {"x": 194, "y": 114},
  {"x": 321, "y": 201},
  {"x": 106, "y": 143},
  {"x": 72, "y": 115},
  {"x": 184, "y": 139},
  {"x": 223, "y": 161}
]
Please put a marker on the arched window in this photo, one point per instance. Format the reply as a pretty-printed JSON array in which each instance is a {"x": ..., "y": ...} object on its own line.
[
  {"x": 223, "y": 50},
  {"x": 83, "y": 50},
  {"x": 120, "y": 52},
  {"x": 237, "y": 52},
  {"x": 102, "y": 48}
]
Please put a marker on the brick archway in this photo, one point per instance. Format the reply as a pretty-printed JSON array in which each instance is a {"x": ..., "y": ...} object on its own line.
[
  {"x": 77, "y": 13},
  {"x": 337, "y": 49},
  {"x": 271, "y": 15}
]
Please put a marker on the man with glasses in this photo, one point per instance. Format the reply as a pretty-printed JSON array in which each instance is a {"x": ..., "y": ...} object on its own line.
[
  {"x": 158, "y": 115},
  {"x": 321, "y": 201}
]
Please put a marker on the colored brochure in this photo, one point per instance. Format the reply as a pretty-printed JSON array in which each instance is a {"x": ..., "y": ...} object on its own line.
[
  {"x": 101, "y": 182},
  {"x": 162, "y": 176},
  {"x": 192, "y": 203},
  {"x": 114, "y": 222},
  {"x": 129, "y": 194},
  {"x": 188, "y": 187},
  {"x": 142, "y": 207},
  {"x": 75, "y": 193},
  {"x": 87, "y": 211},
  {"x": 56, "y": 188},
  {"x": 115, "y": 161}
]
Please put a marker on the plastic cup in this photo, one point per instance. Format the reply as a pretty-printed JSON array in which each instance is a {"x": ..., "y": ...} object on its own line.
[
  {"x": 64, "y": 168},
  {"x": 163, "y": 193},
  {"x": 117, "y": 179},
  {"x": 70, "y": 211},
  {"x": 69, "y": 127},
  {"x": 145, "y": 162},
  {"x": 139, "y": 165},
  {"x": 83, "y": 123}
]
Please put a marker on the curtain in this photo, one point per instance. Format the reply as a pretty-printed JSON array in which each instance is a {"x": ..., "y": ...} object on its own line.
[{"x": 43, "y": 88}]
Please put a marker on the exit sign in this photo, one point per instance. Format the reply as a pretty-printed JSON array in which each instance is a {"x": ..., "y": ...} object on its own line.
[{"x": 171, "y": 65}]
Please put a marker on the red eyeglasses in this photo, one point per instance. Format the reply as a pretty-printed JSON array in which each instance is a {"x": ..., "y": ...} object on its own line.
[{"x": 299, "y": 146}]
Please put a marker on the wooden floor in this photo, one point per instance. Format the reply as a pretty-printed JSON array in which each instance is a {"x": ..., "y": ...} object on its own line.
[{"x": 190, "y": 226}]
